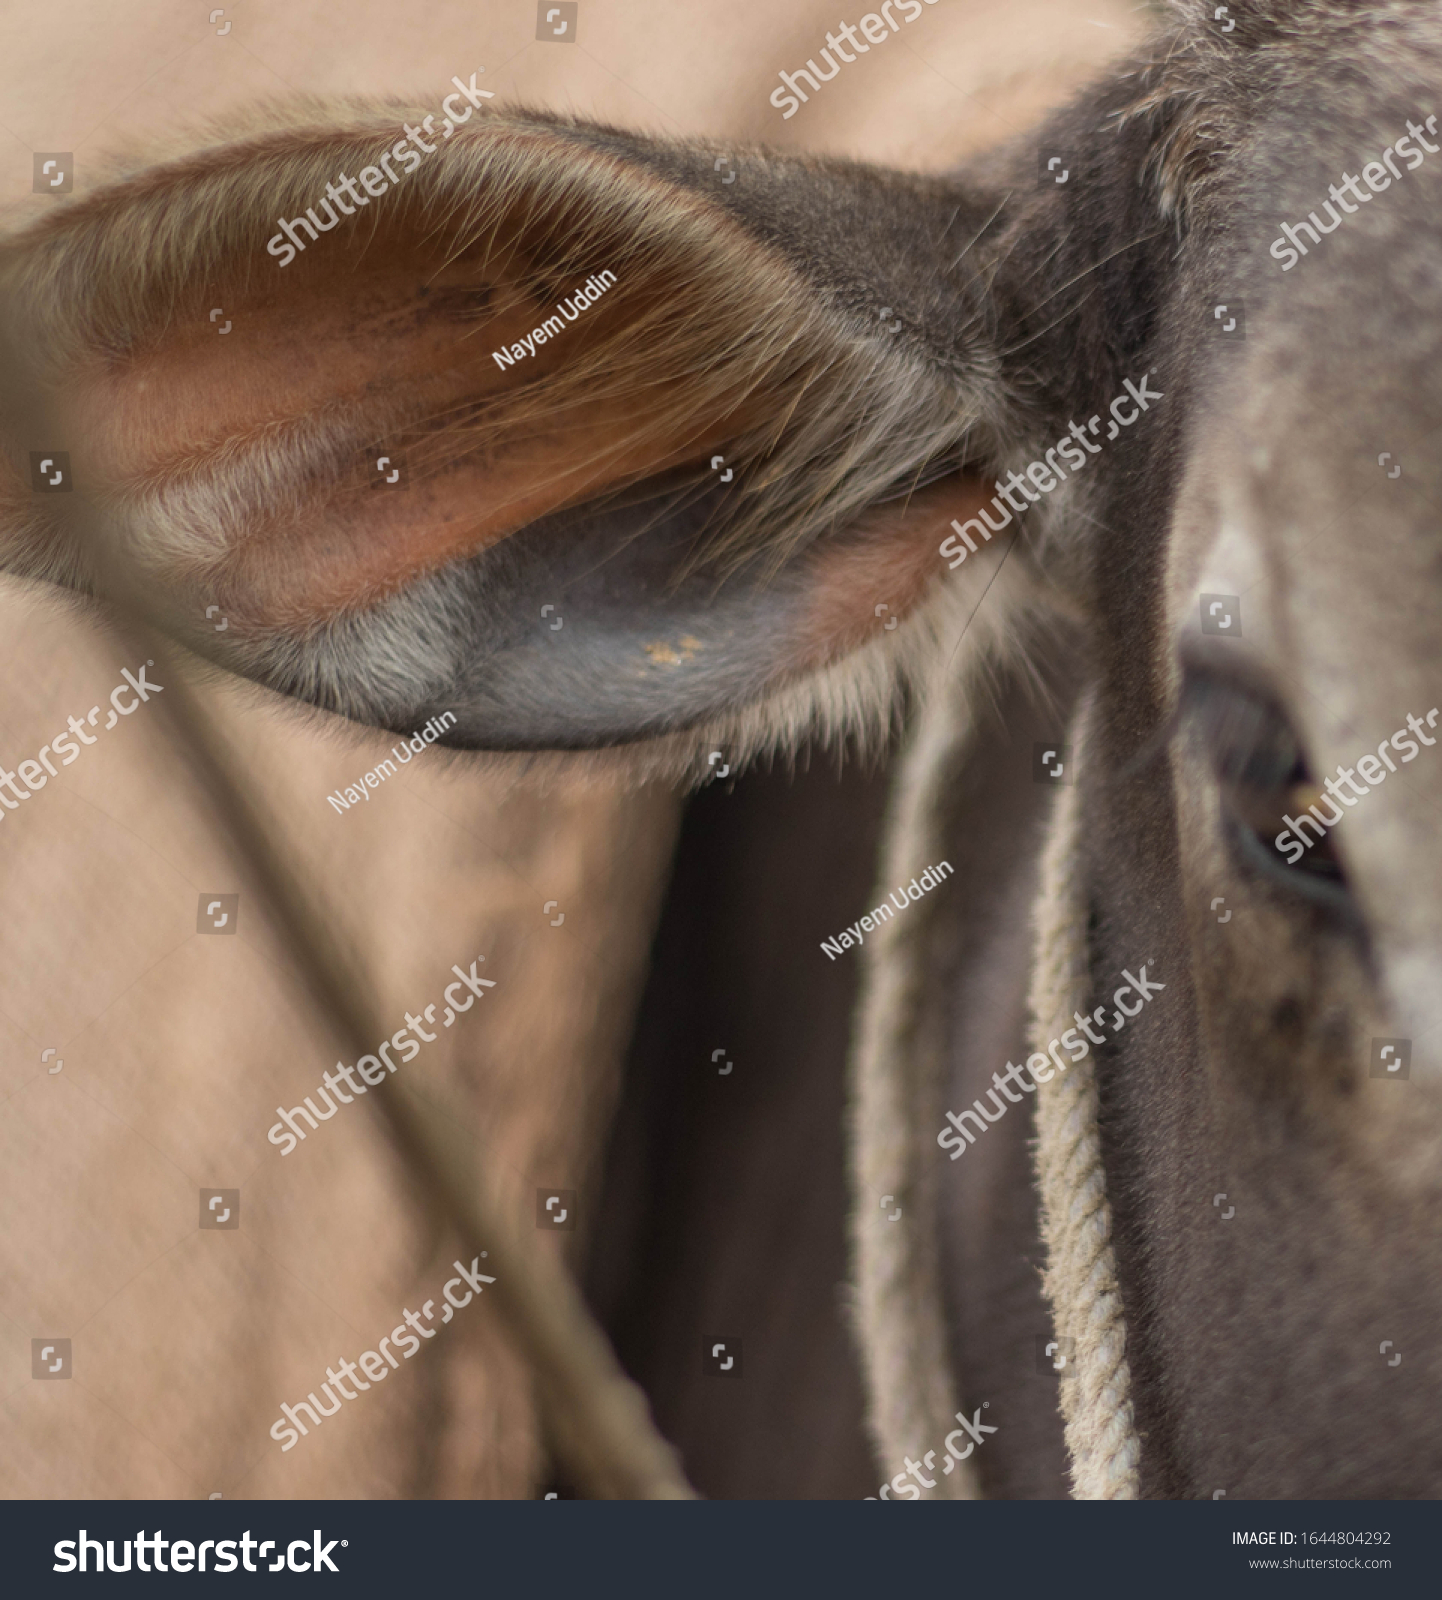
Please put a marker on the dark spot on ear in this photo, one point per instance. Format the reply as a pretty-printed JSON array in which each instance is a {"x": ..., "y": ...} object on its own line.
[
  {"x": 1335, "y": 1028},
  {"x": 470, "y": 303},
  {"x": 1288, "y": 1020},
  {"x": 116, "y": 345}
]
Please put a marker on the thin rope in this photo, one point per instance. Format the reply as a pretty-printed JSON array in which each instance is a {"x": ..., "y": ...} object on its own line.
[
  {"x": 898, "y": 1066},
  {"x": 1080, "y": 1280}
]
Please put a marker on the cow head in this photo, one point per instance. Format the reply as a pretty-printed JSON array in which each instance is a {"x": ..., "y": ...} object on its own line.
[{"x": 682, "y": 464}]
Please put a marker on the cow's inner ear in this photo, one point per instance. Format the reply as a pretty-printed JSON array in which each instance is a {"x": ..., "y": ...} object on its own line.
[
  {"x": 502, "y": 379},
  {"x": 416, "y": 434}
]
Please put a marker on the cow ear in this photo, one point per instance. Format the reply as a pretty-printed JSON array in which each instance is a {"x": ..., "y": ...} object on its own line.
[{"x": 563, "y": 432}]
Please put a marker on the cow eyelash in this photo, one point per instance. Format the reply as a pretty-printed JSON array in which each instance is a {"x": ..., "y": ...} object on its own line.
[{"x": 1264, "y": 777}]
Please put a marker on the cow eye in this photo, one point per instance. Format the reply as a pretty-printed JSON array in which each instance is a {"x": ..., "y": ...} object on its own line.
[{"x": 1268, "y": 790}]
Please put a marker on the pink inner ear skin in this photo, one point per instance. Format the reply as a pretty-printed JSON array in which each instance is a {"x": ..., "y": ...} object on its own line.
[
  {"x": 305, "y": 550},
  {"x": 365, "y": 547},
  {"x": 285, "y": 537},
  {"x": 888, "y": 560}
]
